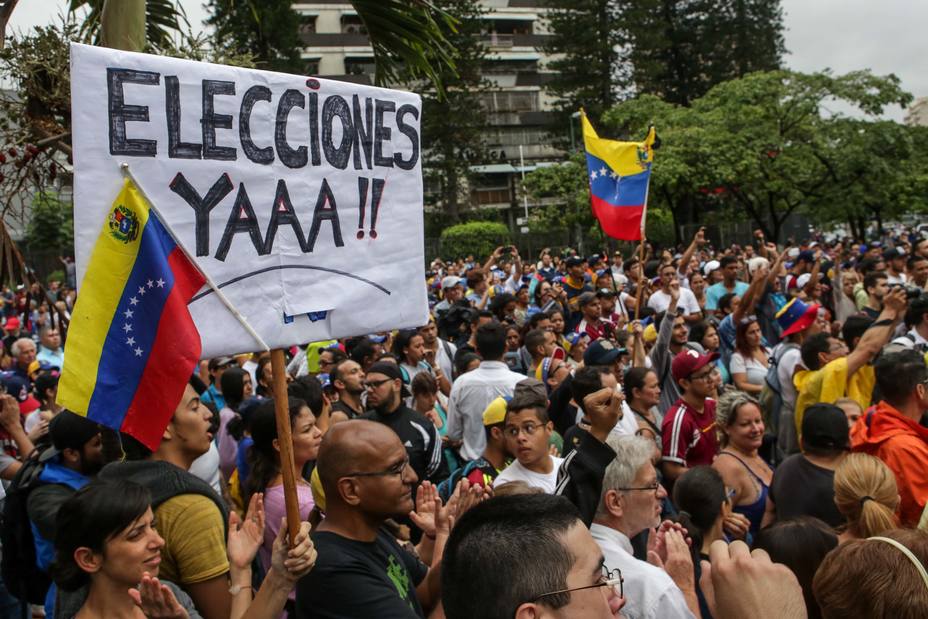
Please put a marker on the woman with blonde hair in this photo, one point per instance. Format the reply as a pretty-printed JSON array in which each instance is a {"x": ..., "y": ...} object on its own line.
[{"x": 866, "y": 495}]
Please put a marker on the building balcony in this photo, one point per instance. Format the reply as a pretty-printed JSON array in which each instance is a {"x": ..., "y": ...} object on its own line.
[{"x": 335, "y": 39}]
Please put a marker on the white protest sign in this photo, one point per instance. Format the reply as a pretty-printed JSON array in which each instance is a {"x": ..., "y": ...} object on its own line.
[{"x": 300, "y": 197}]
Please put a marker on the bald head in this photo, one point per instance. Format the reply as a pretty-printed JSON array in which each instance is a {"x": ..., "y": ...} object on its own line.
[{"x": 353, "y": 446}]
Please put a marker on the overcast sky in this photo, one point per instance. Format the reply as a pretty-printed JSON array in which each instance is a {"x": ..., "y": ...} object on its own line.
[{"x": 843, "y": 35}]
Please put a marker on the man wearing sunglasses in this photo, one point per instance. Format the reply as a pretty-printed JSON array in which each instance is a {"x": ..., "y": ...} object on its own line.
[{"x": 386, "y": 395}]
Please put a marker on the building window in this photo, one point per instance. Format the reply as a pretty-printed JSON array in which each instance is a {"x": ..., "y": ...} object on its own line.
[
  {"x": 307, "y": 24},
  {"x": 311, "y": 67},
  {"x": 359, "y": 66},
  {"x": 352, "y": 24}
]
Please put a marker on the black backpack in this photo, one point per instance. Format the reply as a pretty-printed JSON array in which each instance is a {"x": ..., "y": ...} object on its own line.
[{"x": 21, "y": 573}]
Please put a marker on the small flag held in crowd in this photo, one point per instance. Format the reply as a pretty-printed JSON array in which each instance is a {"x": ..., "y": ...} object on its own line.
[
  {"x": 619, "y": 173},
  {"x": 132, "y": 344}
]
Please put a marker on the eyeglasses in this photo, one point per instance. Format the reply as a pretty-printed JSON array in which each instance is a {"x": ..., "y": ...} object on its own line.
[
  {"x": 703, "y": 376},
  {"x": 652, "y": 487},
  {"x": 609, "y": 578},
  {"x": 373, "y": 384},
  {"x": 529, "y": 429},
  {"x": 749, "y": 319},
  {"x": 398, "y": 469}
]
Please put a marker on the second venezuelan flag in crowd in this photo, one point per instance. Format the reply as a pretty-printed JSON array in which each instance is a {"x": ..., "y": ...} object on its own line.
[
  {"x": 619, "y": 175},
  {"x": 132, "y": 344}
]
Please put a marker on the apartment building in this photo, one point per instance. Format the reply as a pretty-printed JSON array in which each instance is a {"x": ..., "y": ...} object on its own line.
[{"x": 518, "y": 109}]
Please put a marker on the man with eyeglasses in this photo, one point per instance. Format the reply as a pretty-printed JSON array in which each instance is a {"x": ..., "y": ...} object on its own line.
[
  {"x": 526, "y": 556},
  {"x": 688, "y": 429},
  {"x": 386, "y": 395},
  {"x": 631, "y": 503},
  {"x": 527, "y": 431},
  {"x": 362, "y": 571}
]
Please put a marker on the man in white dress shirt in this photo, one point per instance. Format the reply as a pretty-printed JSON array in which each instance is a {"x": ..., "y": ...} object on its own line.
[{"x": 631, "y": 503}]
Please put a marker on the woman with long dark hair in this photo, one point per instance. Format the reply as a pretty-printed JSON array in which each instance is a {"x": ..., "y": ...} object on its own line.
[
  {"x": 643, "y": 394},
  {"x": 236, "y": 388},
  {"x": 749, "y": 362},
  {"x": 264, "y": 474}
]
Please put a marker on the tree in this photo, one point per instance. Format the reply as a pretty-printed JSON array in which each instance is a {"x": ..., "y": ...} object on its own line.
[
  {"x": 163, "y": 20},
  {"x": 590, "y": 71},
  {"x": 52, "y": 224},
  {"x": 266, "y": 29},
  {"x": 679, "y": 49},
  {"x": 453, "y": 126}
]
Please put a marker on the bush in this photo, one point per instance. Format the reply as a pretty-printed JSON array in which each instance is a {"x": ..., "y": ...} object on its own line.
[
  {"x": 479, "y": 238},
  {"x": 56, "y": 276}
]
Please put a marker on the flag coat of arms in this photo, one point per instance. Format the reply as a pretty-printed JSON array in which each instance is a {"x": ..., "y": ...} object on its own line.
[
  {"x": 619, "y": 173},
  {"x": 132, "y": 345}
]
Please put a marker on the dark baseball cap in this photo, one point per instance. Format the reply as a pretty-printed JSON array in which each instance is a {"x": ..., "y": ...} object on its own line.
[
  {"x": 605, "y": 292},
  {"x": 70, "y": 430},
  {"x": 391, "y": 371},
  {"x": 602, "y": 352},
  {"x": 824, "y": 426},
  {"x": 574, "y": 261}
]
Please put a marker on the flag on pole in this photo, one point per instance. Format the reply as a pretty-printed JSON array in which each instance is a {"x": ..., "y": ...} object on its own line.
[
  {"x": 619, "y": 173},
  {"x": 132, "y": 344}
]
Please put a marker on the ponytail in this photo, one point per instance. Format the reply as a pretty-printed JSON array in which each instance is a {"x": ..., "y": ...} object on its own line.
[
  {"x": 866, "y": 495},
  {"x": 875, "y": 518}
]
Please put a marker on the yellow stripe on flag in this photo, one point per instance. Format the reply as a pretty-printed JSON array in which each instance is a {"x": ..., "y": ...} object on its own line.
[
  {"x": 622, "y": 157},
  {"x": 101, "y": 289}
]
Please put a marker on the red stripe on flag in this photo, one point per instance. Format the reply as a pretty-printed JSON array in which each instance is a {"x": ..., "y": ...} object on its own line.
[
  {"x": 174, "y": 355},
  {"x": 619, "y": 222}
]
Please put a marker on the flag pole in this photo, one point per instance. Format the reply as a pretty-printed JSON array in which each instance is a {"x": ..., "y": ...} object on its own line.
[{"x": 278, "y": 371}]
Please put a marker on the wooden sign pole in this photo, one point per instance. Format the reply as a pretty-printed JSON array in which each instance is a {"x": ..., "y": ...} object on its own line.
[{"x": 284, "y": 439}]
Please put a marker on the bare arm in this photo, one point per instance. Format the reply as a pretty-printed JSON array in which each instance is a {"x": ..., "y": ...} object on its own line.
[
  {"x": 754, "y": 292},
  {"x": 212, "y": 597},
  {"x": 873, "y": 339},
  {"x": 698, "y": 241}
]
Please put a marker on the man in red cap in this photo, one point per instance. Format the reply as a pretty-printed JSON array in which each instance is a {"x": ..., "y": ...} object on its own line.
[
  {"x": 688, "y": 430},
  {"x": 798, "y": 321}
]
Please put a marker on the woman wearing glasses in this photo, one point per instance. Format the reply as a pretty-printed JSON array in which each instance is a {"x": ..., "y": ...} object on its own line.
[{"x": 750, "y": 360}]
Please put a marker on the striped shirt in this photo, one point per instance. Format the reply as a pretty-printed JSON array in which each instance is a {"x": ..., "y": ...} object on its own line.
[{"x": 688, "y": 437}]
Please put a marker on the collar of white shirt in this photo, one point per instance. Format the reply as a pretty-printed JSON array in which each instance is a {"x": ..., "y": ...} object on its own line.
[{"x": 615, "y": 538}]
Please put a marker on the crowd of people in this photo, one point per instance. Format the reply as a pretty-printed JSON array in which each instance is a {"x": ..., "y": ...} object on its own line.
[{"x": 694, "y": 432}]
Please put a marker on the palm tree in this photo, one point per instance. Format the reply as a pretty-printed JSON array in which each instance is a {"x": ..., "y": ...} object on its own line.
[{"x": 406, "y": 35}]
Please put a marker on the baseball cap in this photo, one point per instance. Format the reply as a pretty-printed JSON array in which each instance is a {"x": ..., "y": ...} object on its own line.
[
  {"x": 796, "y": 316},
  {"x": 893, "y": 252},
  {"x": 219, "y": 362},
  {"x": 756, "y": 263},
  {"x": 495, "y": 411},
  {"x": 18, "y": 387},
  {"x": 602, "y": 352},
  {"x": 688, "y": 361},
  {"x": 824, "y": 426},
  {"x": 69, "y": 430},
  {"x": 595, "y": 258},
  {"x": 450, "y": 282},
  {"x": 574, "y": 261},
  {"x": 806, "y": 256},
  {"x": 710, "y": 266},
  {"x": 391, "y": 371},
  {"x": 531, "y": 390},
  {"x": 803, "y": 279},
  {"x": 605, "y": 292},
  {"x": 11, "y": 323}
]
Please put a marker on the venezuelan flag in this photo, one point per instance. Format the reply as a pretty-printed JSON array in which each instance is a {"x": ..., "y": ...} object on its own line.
[
  {"x": 132, "y": 344},
  {"x": 619, "y": 174}
]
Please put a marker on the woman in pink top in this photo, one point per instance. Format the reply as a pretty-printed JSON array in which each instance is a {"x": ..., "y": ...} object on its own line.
[{"x": 264, "y": 466}]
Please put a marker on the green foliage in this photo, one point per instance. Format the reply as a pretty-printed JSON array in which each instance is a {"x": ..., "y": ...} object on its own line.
[
  {"x": 268, "y": 30},
  {"x": 679, "y": 50},
  {"x": 163, "y": 20},
  {"x": 55, "y": 276},
  {"x": 52, "y": 224},
  {"x": 479, "y": 238},
  {"x": 454, "y": 119}
]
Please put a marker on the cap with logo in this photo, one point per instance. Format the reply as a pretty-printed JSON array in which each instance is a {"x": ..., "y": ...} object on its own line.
[
  {"x": 602, "y": 352},
  {"x": 796, "y": 316},
  {"x": 686, "y": 362}
]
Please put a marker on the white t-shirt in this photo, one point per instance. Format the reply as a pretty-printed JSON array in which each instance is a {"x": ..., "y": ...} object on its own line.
[
  {"x": 206, "y": 467},
  {"x": 517, "y": 472},
  {"x": 755, "y": 370},
  {"x": 660, "y": 301}
]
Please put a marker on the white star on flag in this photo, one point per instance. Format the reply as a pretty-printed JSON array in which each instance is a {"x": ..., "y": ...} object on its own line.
[
  {"x": 128, "y": 313},
  {"x": 142, "y": 290},
  {"x": 593, "y": 175},
  {"x": 603, "y": 171},
  {"x": 138, "y": 352},
  {"x": 160, "y": 283},
  {"x": 131, "y": 341},
  {"x": 615, "y": 176},
  {"x": 127, "y": 327},
  {"x": 134, "y": 301},
  {"x": 151, "y": 283}
]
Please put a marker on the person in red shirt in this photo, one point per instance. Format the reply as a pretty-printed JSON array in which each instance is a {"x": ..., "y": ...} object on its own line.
[
  {"x": 592, "y": 323},
  {"x": 688, "y": 433},
  {"x": 892, "y": 431}
]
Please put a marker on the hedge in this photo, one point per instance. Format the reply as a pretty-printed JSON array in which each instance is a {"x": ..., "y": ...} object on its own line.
[{"x": 479, "y": 238}]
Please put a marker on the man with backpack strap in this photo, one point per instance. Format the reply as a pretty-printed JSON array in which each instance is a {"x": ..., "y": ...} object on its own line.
[
  {"x": 40, "y": 488},
  {"x": 483, "y": 470}
]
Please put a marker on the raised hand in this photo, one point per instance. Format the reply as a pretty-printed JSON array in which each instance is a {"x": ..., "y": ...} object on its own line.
[
  {"x": 604, "y": 408},
  {"x": 157, "y": 601},
  {"x": 245, "y": 537},
  {"x": 428, "y": 504}
]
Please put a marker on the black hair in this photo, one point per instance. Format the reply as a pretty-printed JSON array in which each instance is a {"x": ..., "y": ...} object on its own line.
[
  {"x": 812, "y": 347},
  {"x": 867, "y": 266},
  {"x": 727, "y": 260},
  {"x": 265, "y": 391},
  {"x": 534, "y": 339},
  {"x": 534, "y": 319},
  {"x": 725, "y": 300},
  {"x": 336, "y": 372},
  {"x": 913, "y": 260},
  {"x": 309, "y": 390},
  {"x": 462, "y": 360},
  {"x": 491, "y": 341},
  {"x": 698, "y": 331},
  {"x": 362, "y": 349},
  {"x": 241, "y": 423},
  {"x": 871, "y": 279},
  {"x": 232, "y": 382},
  {"x": 898, "y": 373},
  {"x": 423, "y": 383},
  {"x": 801, "y": 545},
  {"x": 917, "y": 310},
  {"x": 476, "y": 316},
  {"x": 91, "y": 517},
  {"x": 586, "y": 380},
  {"x": 699, "y": 494},
  {"x": 526, "y": 402},
  {"x": 401, "y": 342},
  {"x": 263, "y": 459},
  {"x": 634, "y": 379},
  {"x": 854, "y": 328},
  {"x": 506, "y": 551}
]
